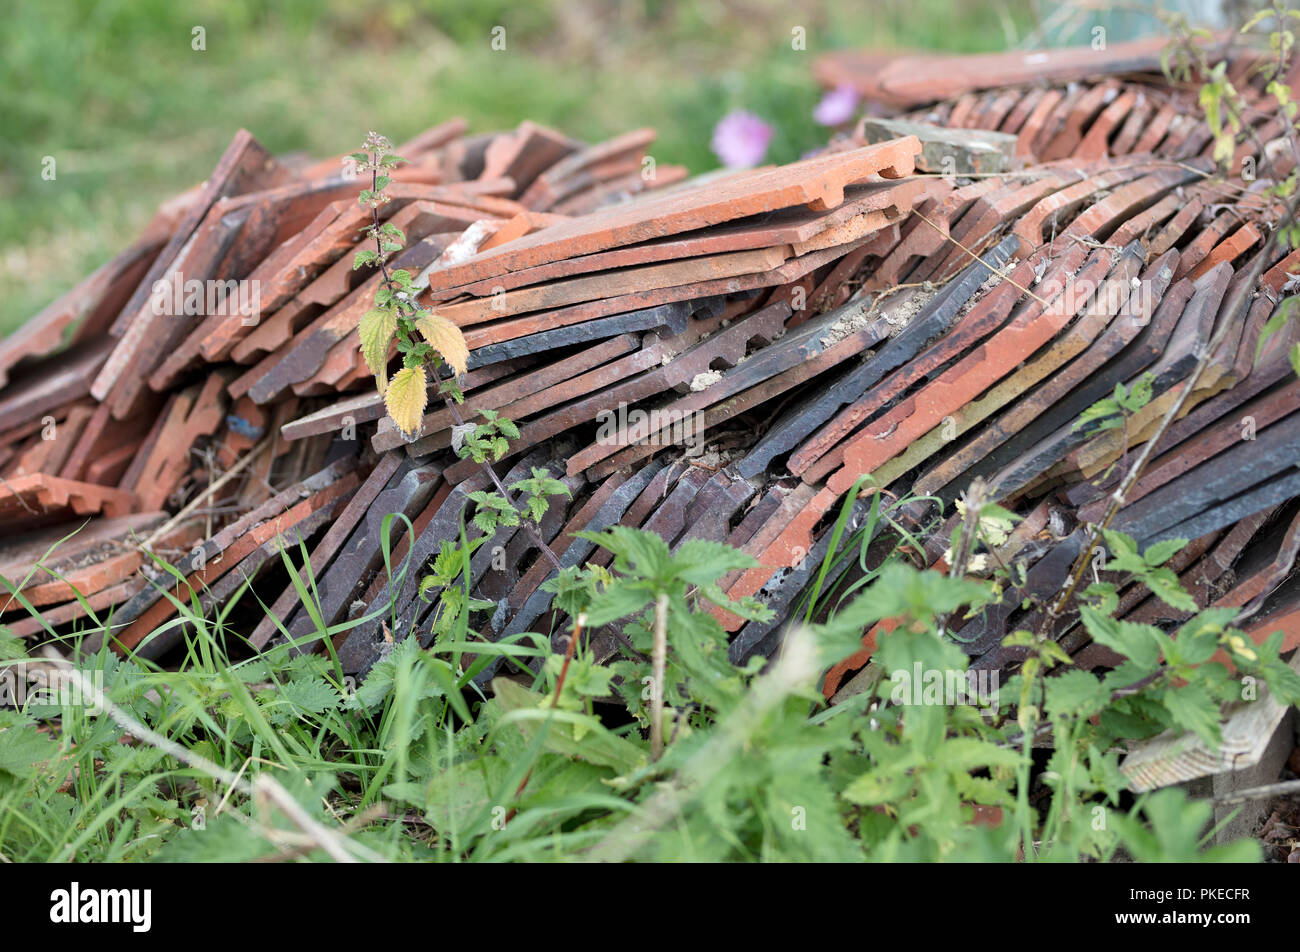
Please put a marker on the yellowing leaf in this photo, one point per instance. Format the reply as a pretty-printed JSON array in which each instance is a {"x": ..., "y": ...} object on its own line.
[
  {"x": 1242, "y": 647},
  {"x": 446, "y": 339},
  {"x": 406, "y": 398},
  {"x": 377, "y": 329}
]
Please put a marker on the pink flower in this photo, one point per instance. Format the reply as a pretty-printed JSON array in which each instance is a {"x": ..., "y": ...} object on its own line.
[
  {"x": 837, "y": 106},
  {"x": 740, "y": 139}
]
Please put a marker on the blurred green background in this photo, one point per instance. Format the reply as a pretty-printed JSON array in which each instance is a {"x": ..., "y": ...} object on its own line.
[{"x": 132, "y": 115}]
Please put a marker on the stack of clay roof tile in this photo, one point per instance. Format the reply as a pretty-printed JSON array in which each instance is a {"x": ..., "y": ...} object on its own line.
[
  {"x": 1082, "y": 103},
  {"x": 210, "y": 440},
  {"x": 798, "y": 327},
  {"x": 989, "y": 381}
]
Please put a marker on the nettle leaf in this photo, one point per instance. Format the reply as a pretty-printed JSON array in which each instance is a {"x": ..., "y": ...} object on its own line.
[
  {"x": 11, "y": 646},
  {"x": 749, "y": 607},
  {"x": 1147, "y": 567},
  {"x": 699, "y": 561},
  {"x": 447, "y": 564},
  {"x": 1075, "y": 693},
  {"x": 599, "y": 745},
  {"x": 537, "y": 488},
  {"x": 313, "y": 695},
  {"x": 573, "y": 589},
  {"x": 1282, "y": 680},
  {"x": 1127, "y": 674},
  {"x": 223, "y": 839},
  {"x": 901, "y": 590},
  {"x": 1136, "y": 642},
  {"x": 1018, "y": 639},
  {"x": 382, "y": 678},
  {"x": 1134, "y": 718},
  {"x": 585, "y": 677},
  {"x": 1159, "y": 553},
  {"x": 1198, "y": 639},
  {"x": 619, "y": 600},
  {"x": 924, "y": 727},
  {"x": 309, "y": 666},
  {"x": 1104, "y": 410},
  {"x": 1052, "y": 654},
  {"x": 508, "y": 429},
  {"x": 446, "y": 338},
  {"x": 962, "y": 754},
  {"x": 883, "y": 784},
  {"x": 1119, "y": 543},
  {"x": 1193, "y": 708},
  {"x": 376, "y": 330},
  {"x": 1164, "y": 585},
  {"x": 451, "y": 390},
  {"x": 1139, "y": 396},
  {"x": 1104, "y": 595},
  {"x": 23, "y": 747},
  {"x": 1104, "y": 772},
  {"x": 406, "y": 398},
  {"x": 643, "y": 554}
]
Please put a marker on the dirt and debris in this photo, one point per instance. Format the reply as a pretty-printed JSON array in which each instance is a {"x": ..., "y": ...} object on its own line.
[{"x": 702, "y": 381}]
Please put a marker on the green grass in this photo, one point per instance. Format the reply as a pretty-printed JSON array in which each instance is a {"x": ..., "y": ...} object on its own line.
[
  {"x": 132, "y": 115},
  {"x": 236, "y": 757}
]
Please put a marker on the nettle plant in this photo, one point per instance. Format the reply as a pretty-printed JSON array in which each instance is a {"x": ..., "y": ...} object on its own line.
[
  {"x": 425, "y": 339},
  {"x": 1170, "y": 680}
]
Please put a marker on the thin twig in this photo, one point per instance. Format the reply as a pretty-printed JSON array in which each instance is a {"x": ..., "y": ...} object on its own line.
[
  {"x": 17, "y": 495},
  {"x": 1267, "y": 792},
  {"x": 212, "y": 487},
  {"x": 659, "y": 664},
  {"x": 376, "y": 811},
  {"x": 1004, "y": 277}
]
